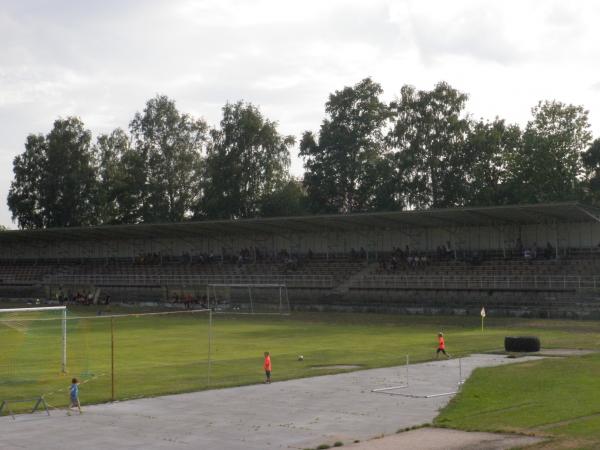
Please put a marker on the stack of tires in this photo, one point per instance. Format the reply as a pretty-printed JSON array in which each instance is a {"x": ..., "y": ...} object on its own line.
[{"x": 522, "y": 344}]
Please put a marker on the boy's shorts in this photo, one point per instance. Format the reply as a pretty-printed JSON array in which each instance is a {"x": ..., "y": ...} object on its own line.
[{"x": 268, "y": 373}]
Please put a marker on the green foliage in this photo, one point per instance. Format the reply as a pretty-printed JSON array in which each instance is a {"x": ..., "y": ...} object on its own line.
[
  {"x": 342, "y": 163},
  {"x": 120, "y": 172},
  {"x": 548, "y": 166},
  {"x": 420, "y": 151},
  {"x": 168, "y": 145},
  {"x": 591, "y": 164},
  {"x": 429, "y": 133},
  {"x": 247, "y": 161},
  {"x": 288, "y": 199},
  {"x": 55, "y": 183},
  {"x": 488, "y": 147}
]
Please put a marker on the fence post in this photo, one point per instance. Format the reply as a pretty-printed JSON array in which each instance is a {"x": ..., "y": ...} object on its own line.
[
  {"x": 209, "y": 345},
  {"x": 112, "y": 359}
]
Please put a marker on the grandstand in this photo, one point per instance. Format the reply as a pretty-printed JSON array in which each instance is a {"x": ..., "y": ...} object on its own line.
[{"x": 540, "y": 260}]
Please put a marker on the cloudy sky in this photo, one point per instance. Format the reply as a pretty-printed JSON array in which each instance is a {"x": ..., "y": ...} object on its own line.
[{"x": 101, "y": 60}]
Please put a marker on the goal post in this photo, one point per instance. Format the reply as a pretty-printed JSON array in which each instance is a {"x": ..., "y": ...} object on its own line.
[
  {"x": 12, "y": 313},
  {"x": 116, "y": 356},
  {"x": 248, "y": 298}
]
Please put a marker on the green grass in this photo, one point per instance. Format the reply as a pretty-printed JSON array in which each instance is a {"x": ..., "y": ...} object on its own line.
[
  {"x": 168, "y": 354},
  {"x": 558, "y": 397}
]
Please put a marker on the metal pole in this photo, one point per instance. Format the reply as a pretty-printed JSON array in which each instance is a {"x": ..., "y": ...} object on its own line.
[
  {"x": 112, "y": 359},
  {"x": 64, "y": 341},
  {"x": 209, "y": 344},
  {"x": 251, "y": 303}
]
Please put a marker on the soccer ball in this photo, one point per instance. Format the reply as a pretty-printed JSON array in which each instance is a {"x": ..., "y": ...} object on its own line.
[{"x": 300, "y": 358}]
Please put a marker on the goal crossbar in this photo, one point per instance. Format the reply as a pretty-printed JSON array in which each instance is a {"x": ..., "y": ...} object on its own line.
[{"x": 41, "y": 309}]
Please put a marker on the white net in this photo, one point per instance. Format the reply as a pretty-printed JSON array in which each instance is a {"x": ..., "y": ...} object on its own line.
[{"x": 248, "y": 298}]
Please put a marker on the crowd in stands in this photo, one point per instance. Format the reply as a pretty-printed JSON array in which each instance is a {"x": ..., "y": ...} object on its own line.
[
  {"x": 404, "y": 259},
  {"x": 534, "y": 251},
  {"x": 85, "y": 298},
  {"x": 189, "y": 300}
]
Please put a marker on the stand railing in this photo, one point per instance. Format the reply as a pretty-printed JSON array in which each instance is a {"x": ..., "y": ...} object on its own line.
[
  {"x": 322, "y": 281},
  {"x": 478, "y": 282}
]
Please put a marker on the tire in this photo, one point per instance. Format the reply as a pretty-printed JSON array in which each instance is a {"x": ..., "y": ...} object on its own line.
[{"x": 522, "y": 344}]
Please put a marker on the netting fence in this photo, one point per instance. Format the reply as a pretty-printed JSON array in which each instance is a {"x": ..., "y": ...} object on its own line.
[{"x": 119, "y": 356}]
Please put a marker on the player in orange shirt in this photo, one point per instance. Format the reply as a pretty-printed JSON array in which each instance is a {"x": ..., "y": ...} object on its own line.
[
  {"x": 267, "y": 367},
  {"x": 441, "y": 346}
]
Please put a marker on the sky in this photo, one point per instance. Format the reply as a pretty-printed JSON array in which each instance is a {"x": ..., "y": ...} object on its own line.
[{"x": 102, "y": 60}]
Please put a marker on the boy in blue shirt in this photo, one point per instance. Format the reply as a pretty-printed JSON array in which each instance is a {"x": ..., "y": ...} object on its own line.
[{"x": 74, "y": 394}]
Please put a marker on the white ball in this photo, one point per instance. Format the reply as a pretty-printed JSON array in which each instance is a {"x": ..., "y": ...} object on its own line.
[{"x": 300, "y": 358}]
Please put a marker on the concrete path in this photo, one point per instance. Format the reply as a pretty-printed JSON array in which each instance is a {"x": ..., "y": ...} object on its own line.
[
  {"x": 438, "y": 438},
  {"x": 293, "y": 414}
]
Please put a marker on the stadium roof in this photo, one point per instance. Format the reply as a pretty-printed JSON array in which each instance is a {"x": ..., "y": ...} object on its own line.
[{"x": 571, "y": 212}]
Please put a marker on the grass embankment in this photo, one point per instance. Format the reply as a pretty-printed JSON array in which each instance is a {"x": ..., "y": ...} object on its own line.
[
  {"x": 556, "y": 397},
  {"x": 168, "y": 354}
]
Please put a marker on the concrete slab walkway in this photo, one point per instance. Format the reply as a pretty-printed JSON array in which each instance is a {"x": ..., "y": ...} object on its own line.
[{"x": 292, "y": 414}]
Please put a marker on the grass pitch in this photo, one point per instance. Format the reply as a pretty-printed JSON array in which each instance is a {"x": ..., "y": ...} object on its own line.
[
  {"x": 556, "y": 397},
  {"x": 157, "y": 355}
]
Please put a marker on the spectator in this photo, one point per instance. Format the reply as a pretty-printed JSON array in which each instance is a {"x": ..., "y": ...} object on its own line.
[{"x": 363, "y": 253}]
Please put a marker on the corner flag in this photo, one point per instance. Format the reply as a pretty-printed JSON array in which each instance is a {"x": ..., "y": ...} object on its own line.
[{"x": 482, "y": 317}]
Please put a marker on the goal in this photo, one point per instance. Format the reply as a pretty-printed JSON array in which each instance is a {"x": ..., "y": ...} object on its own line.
[
  {"x": 248, "y": 298},
  {"x": 38, "y": 324},
  {"x": 115, "y": 356}
]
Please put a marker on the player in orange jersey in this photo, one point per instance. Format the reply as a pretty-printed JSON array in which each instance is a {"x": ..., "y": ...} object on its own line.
[
  {"x": 267, "y": 366},
  {"x": 441, "y": 346}
]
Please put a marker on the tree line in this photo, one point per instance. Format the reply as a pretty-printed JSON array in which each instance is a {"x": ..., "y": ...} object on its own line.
[{"x": 421, "y": 150}]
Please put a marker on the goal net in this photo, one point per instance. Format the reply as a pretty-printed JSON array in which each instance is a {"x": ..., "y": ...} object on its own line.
[
  {"x": 246, "y": 298},
  {"x": 33, "y": 328},
  {"x": 115, "y": 356}
]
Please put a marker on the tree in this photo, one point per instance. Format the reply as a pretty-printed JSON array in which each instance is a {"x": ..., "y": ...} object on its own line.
[
  {"x": 548, "y": 166},
  {"x": 121, "y": 179},
  {"x": 428, "y": 135},
  {"x": 168, "y": 145},
  {"x": 488, "y": 147},
  {"x": 55, "y": 183},
  {"x": 591, "y": 164},
  {"x": 25, "y": 197},
  {"x": 247, "y": 160},
  {"x": 288, "y": 199},
  {"x": 342, "y": 162}
]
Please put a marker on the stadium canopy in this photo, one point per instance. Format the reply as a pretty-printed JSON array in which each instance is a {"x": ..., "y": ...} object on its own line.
[{"x": 546, "y": 213}]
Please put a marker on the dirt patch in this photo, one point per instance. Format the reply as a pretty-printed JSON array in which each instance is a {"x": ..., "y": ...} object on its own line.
[
  {"x": 446, "y": 439},
  {"x": 564, "y": 352},
  {"x": 337, "y": 366}
]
